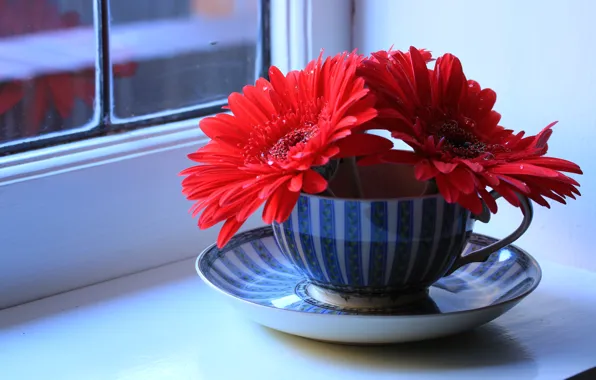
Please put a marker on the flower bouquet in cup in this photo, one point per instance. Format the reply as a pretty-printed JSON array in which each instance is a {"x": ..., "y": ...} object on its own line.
[{"x": 301, "y": 146}]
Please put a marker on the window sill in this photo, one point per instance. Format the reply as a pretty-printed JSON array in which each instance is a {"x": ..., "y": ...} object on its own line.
[
  {"x": 97, "y": 209},
  {"x": 166, "y": 324}
]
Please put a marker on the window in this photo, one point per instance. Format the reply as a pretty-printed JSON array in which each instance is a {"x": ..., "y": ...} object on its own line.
[
  {"x": 98, "y": 196},
  {"x": 72, "y": 69}
]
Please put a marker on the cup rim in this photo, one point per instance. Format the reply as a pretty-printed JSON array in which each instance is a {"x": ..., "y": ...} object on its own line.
[{"x": 370, "y": 200}]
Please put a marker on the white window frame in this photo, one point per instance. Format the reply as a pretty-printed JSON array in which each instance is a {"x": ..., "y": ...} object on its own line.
[{"x": 96, "y": 209}]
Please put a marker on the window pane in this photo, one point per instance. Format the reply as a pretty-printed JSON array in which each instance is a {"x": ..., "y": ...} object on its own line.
[
  {"x": 187, "y": 53},
  {"x": 47, "y": 67}
]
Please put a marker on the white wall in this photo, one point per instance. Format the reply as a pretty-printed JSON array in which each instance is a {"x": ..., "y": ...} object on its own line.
[{"x": 539, "y": 57}]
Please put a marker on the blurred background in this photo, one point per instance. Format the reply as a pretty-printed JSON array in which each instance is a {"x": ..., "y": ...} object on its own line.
[{"x": 164, "y": 57}]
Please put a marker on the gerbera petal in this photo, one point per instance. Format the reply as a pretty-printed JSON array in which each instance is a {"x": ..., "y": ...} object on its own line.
[
  {"x": 525, "y": 169},
  {"x": 346, "y": 122},
  {"x": 247, "y": 211},
  {"x": 245, "y": 109},
  {"x": 224, "y": 125},
  {"x": 454, "y": 81},
  {"x": 230, "y": 227},
  {"x": 542, "y": 137},
  {"x": 280, "y": 205},
  {"x": 295, "y": 183},
  {"x": 549, "y": 194},
  {"x": 272, "y": 186},
  {"x": 519, "y": 185},
  {"x": 447, "y": 190},
  {"x": 562, "y": 188},
  {"x": 425, "y": 170},
  {"x": 314, "y": 183},
  {"x": 421, "y": 77},
  {"x": 491, "y": 179},
  {"x": 489, "y": 200},
  {"x": 259, "y": 96},
  {"x": 281, "y": 87},
  {"x": 507, "y": 193},
  {"x": 555, "y": 164},
  {"x": 463, "y": 179},
  {"x": 444, "y": 167},
  {"x": 539, "y": 199},
  {"x": 471, "y": 202},
  {"x": 474, "y": 166}
]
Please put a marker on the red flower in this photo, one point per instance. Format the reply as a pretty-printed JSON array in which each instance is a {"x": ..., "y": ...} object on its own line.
[
  {"x": 279, "y": 131},
  {"x": 455, "y": 136},
  {"x": 59, "y": 90}
]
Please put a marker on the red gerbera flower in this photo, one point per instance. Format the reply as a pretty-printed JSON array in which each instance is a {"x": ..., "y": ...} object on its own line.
[
  {"x": 455, "y": 136},
  {"x": 278, "y": 131}
]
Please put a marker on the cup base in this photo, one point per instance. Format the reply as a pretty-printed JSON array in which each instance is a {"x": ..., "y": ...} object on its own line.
[{"x": 365, "y": 301}]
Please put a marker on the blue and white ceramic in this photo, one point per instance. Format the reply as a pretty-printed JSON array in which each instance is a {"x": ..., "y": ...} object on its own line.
[
  {"x": 355, "y": 249},
  {"x": 266, "y": 287}
]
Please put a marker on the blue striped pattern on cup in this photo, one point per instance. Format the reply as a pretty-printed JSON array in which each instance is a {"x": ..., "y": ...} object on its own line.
[{"x": 373, "y": 245}]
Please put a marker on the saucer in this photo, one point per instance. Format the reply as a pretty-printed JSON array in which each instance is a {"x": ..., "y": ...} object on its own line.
[{"x": 251, "y": 271}]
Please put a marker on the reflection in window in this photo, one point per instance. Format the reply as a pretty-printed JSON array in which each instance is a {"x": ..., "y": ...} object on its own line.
[
  {"x": 40, "y": 91},
  {"x": 175, "y": 58},
  {"x": 189, "y": 52}
]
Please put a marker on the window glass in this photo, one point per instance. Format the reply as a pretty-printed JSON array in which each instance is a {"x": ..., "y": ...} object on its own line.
[
  {"x": 47, "y": 67},
  {"x": 186, "y": 53},
  {"x": 73, "y": 69}
]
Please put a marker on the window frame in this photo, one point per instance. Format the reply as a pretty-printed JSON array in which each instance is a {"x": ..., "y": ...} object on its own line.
[
  {"x": 103, "y": 121},
  {"x": 54, "y": 242}
]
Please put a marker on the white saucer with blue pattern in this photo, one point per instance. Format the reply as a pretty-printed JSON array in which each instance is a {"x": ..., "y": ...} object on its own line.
[{"x": 254, "y": 275}]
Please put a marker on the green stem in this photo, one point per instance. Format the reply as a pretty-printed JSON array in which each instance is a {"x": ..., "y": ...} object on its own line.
[{"x": 328, "y": 192}]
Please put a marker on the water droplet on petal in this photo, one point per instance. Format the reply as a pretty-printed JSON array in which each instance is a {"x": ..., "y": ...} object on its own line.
[
  {"x": 269, "y": 162},
  {"x": 265, "y": 88},
  {"x": 521, "y": 166},
  {"x": 470, "y": 123}
]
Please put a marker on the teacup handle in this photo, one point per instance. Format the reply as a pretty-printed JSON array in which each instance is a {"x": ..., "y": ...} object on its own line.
[{"x": 483, "y": 253}]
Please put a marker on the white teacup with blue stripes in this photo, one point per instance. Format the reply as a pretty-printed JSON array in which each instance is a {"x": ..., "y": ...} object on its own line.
[{"x": 381, "y": 252}]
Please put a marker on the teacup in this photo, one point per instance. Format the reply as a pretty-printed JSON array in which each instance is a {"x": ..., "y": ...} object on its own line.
[{"x": 381, "y": 252}]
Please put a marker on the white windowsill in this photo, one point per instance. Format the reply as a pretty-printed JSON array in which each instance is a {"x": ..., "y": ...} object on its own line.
[{"x": 166, "y": 324}]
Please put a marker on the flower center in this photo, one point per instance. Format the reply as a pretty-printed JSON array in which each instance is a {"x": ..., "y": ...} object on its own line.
[
  {"x": 463, "y": 143},
  {"x": 279, "y": 150},
  {"x": 273, "y": 141}
]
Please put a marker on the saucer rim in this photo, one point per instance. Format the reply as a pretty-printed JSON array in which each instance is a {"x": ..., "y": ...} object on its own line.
[{"x": 513, "y": 301}]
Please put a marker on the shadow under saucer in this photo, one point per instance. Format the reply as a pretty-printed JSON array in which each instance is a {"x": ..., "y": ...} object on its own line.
[{"x": 486, "y": 346}]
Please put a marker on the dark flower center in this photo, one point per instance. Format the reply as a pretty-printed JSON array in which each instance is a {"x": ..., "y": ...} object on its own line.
[
  {"x": 279, "y": 150},
  {"x": 462, "y": 142},
  {"x": 273, "y": 141}
]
